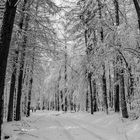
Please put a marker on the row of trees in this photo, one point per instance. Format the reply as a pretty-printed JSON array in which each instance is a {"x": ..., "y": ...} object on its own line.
[
  {"x": 26, "y": 35},
  {"x": 101, "y": 70},
  {"x": 93, "y": 65}
]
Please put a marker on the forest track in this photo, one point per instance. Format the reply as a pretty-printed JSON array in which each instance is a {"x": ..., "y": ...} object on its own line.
[
  {"x": 64, "y": 127},
  {"x": 84, "y": 128}
]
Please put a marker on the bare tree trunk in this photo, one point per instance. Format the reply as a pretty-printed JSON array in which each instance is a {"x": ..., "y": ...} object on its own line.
[
  {"x": 95, "y": 106},
  {"x": 110, "y": 91},
  {"x": 130, "y": 86},
  {"x": 116, "y": 91},
  {"x": 104, "y": 90},
  {"x": 91, "y": 93},
  {"x": 116, "y": 71},
  {"x": 5, "y": 39},
  {"x": 87, "y": 101},
  {"x": 62, "y": 100},
  {"x": 29, "y": 96},
  {"x": 58, "y": 91},
  {"x": 20, "y": 77},
  {"x": 65, "y": 78},
  {"x": 12, "y": 88},
  {"x": 103, "y": 65},
  {"x": 122, "y": 94}
]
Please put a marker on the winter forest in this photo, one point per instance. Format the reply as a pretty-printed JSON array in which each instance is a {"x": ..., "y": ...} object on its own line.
[{"x": 69, "y": 69}]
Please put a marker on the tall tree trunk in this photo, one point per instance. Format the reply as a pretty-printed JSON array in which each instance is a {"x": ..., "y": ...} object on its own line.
[
  {"x": 30, "y": 83},
  {"x": 20, "y": 25},
  {"x": 110, "y": 90},
  {"x": 65, "y": 78},
  {"x": 116, "y": 71},
  {"x": 88, "y": 52},
  {"x": 5, "y": 39},
  {"x": 104, "y": 90},
  {"x": 71, "y": 100},
  {"x": 95, "y": 106},
  {"x": 58, "y": 90},
  {"x": 116, "y": 91},
  {"x": 31, "y": 72},
  {"x": 58, "y": 100},
  {"x": 122, "y": 94},
  {"x": 103, "y": 65},
  {"x": 62, "y": 100},
  {"x": 130, "y": 86},
  {"x": 29, "y": 97},
  {"x": 66, "y": 102},
  {"x": 21, "y": 71},
  {"x": 29, "y": 92},
  {"x": 87, "y": 102},
  {"x": 119, "y": 73},
  {"x": 12, "y": 88},
  {"x": 91, "y": 92}
]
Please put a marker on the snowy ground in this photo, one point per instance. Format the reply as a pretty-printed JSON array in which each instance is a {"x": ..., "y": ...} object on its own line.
[{"x": 73, "y": 126}]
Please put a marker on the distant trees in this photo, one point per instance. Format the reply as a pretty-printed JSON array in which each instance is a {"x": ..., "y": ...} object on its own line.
[
  {"x": 96, "y": 74},
  {"x": 95, "y": 25}
]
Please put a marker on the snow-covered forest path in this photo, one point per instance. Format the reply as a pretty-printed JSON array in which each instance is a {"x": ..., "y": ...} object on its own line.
[{"x": 74, "y": 126}]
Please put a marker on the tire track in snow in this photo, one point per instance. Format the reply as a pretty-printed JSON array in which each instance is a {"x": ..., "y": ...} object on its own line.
[
  {"x": 65, "y": 131},
  {"x": 85, "y": 129}
]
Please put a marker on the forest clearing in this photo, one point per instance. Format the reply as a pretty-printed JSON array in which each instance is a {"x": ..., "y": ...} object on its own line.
[{"x": 70, "y": 69}]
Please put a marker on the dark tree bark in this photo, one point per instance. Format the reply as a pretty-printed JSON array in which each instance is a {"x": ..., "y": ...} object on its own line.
[
  {"x": 12, "y": 88},
  {"x": 58, "y": 91},
  {"x": 104, "y": 90},
  {"x": 66, "y": 103},
  {"x": 65, "y": 78},
  {"x": 29, "y": 97},
  {"x": 31, "y": 73},
  {"x": 21, "y": 71},
  {"x": 62, "y": 100},
  {"x": 58, "y": 102},
  {"x": 137, "y": 7},
  {"x": 103, "y": 65},
  {"x": 119, "y": 76},
  {"x": 30, "y": 83},
  {"x": 122, "y": 94},
  {"x": 131, "y": 83},
  {"x": 55, "y": 101},
  {"x": 5, "y": 39},
  {"x": 116, "y": 71},
  {"x": 116, "y": 91},
  {"x": 91, "y": 92},
  {"x": 71, "y": 100},
  {"x": 116, "y": 4},
  {"x": 110, "y": 91},
  {"x": 87, "y": 101},
  {"x": 89, "y": 48},
  {"x": 19, "y": 93},
  {"x": 95, "y": 106},
  {"x": 13, "y": 77}
]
